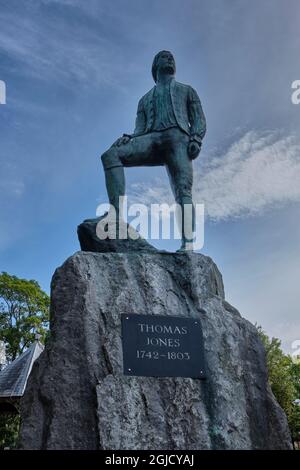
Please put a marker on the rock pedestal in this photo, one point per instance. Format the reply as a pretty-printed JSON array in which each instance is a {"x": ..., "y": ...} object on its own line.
[{"x": 78, "y": 398}]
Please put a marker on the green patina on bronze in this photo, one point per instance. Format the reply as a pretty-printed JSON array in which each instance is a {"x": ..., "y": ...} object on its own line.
[{"x": 170, "y": 126}]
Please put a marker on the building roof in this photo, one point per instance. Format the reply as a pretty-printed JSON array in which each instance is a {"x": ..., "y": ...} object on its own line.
[{"x": 13, "y": 378}]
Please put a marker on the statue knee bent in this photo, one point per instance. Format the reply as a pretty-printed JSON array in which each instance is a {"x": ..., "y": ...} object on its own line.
[{"x": 110, "y": 159}]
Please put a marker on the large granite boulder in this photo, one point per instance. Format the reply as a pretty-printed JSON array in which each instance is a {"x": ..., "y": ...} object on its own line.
[{"x": 78, "y": 398}]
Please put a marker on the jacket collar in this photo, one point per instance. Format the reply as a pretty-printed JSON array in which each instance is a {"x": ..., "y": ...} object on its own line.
[{"x": 172, "y": 85}]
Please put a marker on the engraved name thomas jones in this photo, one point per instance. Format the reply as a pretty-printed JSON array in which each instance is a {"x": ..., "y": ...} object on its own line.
[
  {"x": 164, "y": 346},
  {"x": 162, "y": 342}
]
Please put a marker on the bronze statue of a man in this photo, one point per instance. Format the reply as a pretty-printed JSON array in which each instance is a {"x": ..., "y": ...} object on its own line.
[{"x": 169, "y": 129}]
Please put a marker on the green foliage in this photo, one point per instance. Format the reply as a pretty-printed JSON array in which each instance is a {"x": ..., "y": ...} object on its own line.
[
  {"x": 295, "y": 371},
  {"x": 284, "y": 378},
  {"x": 294, "y": 423},
  {"x": 9, "y": 430},
  {"x": 24, "y": 312}
]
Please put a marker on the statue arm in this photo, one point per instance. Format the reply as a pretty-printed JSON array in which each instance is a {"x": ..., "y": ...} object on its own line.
[
  {"x": 140, "y": 122},
  {"x": 196, "y": 117}
]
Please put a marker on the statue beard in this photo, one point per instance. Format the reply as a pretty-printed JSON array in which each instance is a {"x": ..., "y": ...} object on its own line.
[{"x": 169, "y": 69}]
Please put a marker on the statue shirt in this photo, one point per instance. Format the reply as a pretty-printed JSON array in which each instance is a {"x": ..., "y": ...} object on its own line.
[{"x": 164, "y": 116}]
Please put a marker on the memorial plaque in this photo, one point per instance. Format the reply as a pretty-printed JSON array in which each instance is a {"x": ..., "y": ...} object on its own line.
[{"x": 162, "y": 346}]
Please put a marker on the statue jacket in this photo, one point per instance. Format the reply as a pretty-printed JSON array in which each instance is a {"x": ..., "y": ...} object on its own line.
[{"x": 187, "y": 110}]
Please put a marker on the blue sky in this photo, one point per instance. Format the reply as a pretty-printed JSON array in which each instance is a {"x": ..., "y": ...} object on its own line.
[{"x": 74, "y": 71}]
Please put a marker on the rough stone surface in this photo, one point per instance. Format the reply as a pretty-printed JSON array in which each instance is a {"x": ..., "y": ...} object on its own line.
[
  {"x": 78, "y": 398},
  {"x": 89, "y": 241}
]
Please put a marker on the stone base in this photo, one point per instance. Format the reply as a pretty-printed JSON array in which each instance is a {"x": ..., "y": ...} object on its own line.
[
  {"x": 78, "y": 398},
  {"x": 89, "y": 241}
]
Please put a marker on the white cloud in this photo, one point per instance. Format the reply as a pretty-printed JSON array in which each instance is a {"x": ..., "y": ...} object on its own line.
[
  {"x": 62, "y": 48},
  {"x": 261, "y": 170}
]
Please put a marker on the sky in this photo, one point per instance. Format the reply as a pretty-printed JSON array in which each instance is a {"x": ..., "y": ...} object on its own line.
[{"x": 74, "y": 71}]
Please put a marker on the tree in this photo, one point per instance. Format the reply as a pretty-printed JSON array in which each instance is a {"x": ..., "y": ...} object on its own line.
[
  {"x": 9, "y": 430},
  {"x": 284, "y": 378},
  {"x": 295, "y": 371},
  {"x": 295, "y": 419},
  {"x": 24, "y": 312}
]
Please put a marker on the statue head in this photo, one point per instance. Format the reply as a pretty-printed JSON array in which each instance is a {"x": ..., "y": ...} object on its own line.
[{"x": 164, "y": 60}]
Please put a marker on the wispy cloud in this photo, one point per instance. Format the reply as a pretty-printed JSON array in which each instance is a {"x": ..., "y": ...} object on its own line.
[
  {"x": 11, "y": 184},
  {"x": 261, "y": 170},
  {"x": 61, "y": 46},
  {"x": 12, "y": 188}
]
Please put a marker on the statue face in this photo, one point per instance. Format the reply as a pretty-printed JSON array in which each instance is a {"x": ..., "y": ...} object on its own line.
[{"x": 166, "y": 62}]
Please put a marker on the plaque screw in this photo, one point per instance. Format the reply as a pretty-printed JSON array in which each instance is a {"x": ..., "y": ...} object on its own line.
[
  {"x": 127, "y": 318},
  {"x": 129, "y": 370},
  {"x": 201, "y": 371},
  {"x": 196, "y": 323}
]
